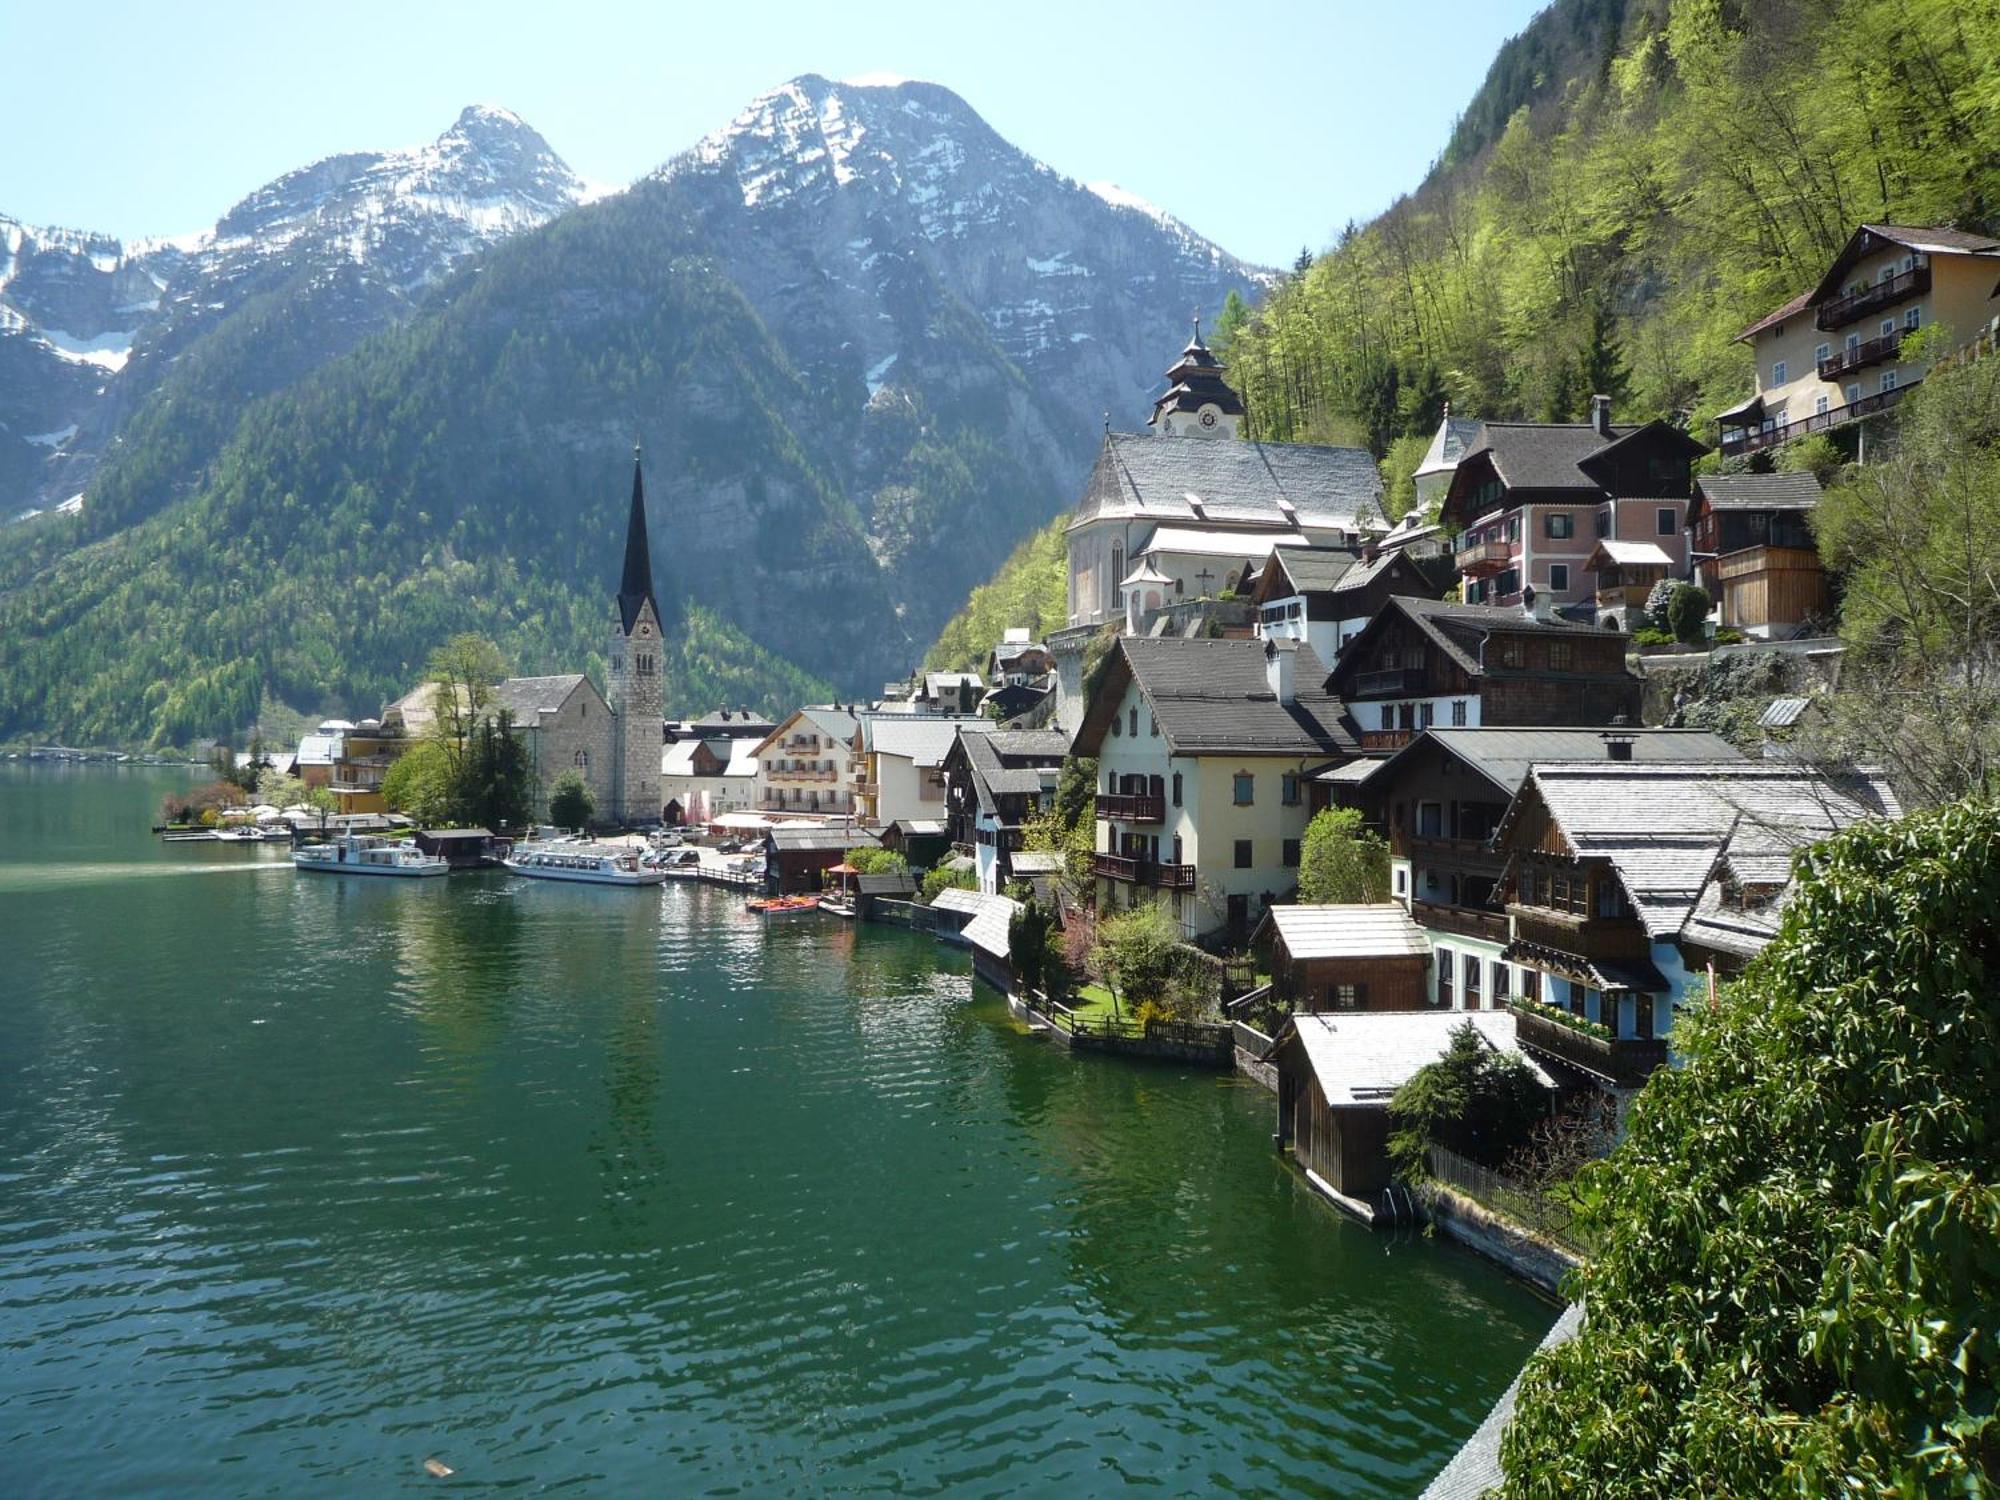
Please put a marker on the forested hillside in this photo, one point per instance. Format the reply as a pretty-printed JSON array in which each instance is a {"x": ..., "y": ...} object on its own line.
[
  {"x": 1700, "y": 165},
  {"x": 1635, "y": 182}
]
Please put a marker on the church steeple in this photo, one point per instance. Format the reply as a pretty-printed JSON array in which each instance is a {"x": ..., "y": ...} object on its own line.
[
  {"x": 1198, "y": 402},
  {"x": 635, "y": 588}
]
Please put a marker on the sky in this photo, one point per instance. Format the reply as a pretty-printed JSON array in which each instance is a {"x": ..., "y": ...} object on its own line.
[{"x": 1266, "y": 127}]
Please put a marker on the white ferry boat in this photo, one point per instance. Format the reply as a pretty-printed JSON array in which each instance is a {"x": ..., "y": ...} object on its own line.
[
  {"x": 366, "y": 854},
  {"x": 582, "y": 862}
]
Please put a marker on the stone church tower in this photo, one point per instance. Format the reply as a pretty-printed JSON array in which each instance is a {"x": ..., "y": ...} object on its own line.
[{"x": 636, "y": 702}]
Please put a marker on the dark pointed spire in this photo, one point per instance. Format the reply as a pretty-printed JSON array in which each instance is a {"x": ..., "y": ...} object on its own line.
[{"x": 635, "y": 588}]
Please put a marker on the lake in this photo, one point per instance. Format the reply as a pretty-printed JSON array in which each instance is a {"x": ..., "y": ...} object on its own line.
[{"x": 308, "y": 1179}]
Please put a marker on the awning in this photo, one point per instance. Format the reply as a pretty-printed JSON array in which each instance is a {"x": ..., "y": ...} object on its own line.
[
  {"x": 748, "y": 821},
  {"x": 1743, "y": 411}
]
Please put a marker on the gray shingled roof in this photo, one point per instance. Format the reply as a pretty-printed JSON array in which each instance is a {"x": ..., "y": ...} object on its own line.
[
  {"x": 792, "y": 840},
  {"x": 1662, "y": 827},
  {"x": 919, "y": 738},
  {"x": 1012, "y": 762},
  {"x": 1441, "y": 619},
  {"x": 1799, "y": 491},
  {"x": 1269, "y": 483},
  {"x": 1314, "y": 570},
  {"x": 526, "y": 698},
  {"x": 1214, "y": 697},
  {"x": 1505, "y": 756},
  {"x": 1354, "y": 930},
  {"x": 1454, "y": 438},
  {"x": 1544, "y": 455}
]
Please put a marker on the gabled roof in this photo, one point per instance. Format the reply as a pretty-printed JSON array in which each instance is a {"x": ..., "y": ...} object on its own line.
[
  {"x": 1456, "y": 629},
  {"x": 919, "y": 738},
  {"x": 1662, "y": 827},
  {"x": 1505, "y": 756},
  {"x": 1542, "y": 455},
  {"x": 1381, "y": 929},
  {"x": 1362, "y": 1057},
  {"x": 1454, "y": 438},
  {"x": 1012, "y": 762},
  {"x": 527, "y": 698},
  {"x": 1213, "y": 697},
  {"x": 1226, "y": 480},
  {"x": 1307, "y": 570},
  {"x": 835, "y": 723},
  {"x": 1800, "y": 491},
  {"x": 1784, "y": 312},
  {"x": 789, "y": 839},
  {"x": 1870, "y": 238}
]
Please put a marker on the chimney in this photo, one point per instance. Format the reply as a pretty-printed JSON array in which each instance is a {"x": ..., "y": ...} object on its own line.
[
  {"x": 1600, "y": 415},
  {"x": 1537, "y": 605},
  {"x": 1281, "y": 669},
  {"x": 1617, "y": 741}
]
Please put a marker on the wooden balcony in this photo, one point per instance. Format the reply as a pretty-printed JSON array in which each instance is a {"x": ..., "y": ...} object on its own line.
[
  {"x": 1131, "y": 807},
  {"x": 1143, "y": 872},
  {"x": 1840, "y": 311},
  {"x": 1623, "y": 595},
  {"x": 1612, "y": 938},
  {"x": 1466, "y": 921},
  {"x": 1860, "y": 356},
  {"x": 1825, "y": 421},
  {"x": 1624, "y": 1062},
  {"x": 1385, "y": 739},
  {"x": 1482, "y": 559}
]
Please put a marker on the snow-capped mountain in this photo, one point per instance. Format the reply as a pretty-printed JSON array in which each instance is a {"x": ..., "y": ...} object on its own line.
[
  {"x": 353, "y": 240},
  {"x": 1084, "y": 286}
]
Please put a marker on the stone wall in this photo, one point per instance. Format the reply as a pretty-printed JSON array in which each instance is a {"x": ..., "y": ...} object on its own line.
[{"x": 1535, "y": 1260}]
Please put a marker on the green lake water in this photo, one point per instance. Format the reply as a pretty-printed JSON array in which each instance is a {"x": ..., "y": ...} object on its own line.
[{"x": 305, "y": 1179}]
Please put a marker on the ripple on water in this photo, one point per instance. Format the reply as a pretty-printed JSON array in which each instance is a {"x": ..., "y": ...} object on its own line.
[{"x": 309, "y": 1179}]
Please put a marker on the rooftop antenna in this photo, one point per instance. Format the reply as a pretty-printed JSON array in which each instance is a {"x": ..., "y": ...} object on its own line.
[
  {"x": 1107, "y": 421},
  {"x": 1197, "y": 325}
]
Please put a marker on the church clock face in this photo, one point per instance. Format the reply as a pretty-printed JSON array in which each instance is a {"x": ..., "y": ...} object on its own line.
[
  {"x": 1208, "y": 419},
  {"x": 645, "y": 630}
]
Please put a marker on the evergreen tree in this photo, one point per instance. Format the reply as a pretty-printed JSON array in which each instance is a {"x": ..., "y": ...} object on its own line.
[
  {"x": 570, "y": 802},
  {"x": 1604, "y": 370}
]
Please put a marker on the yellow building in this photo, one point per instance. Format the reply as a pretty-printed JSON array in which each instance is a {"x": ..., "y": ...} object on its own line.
[
  {"x": 1833, "y": 355},
  {"x": 1203, "y": 749}
]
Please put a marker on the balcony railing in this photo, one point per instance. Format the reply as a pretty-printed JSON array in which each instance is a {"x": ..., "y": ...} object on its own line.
[
  {"x": 1844, "y": 310},
  {"x": 1612, "y": 938},
  {"x": 1131, "y": 807},
  {"x": 1387, "y": 684},
  {"x": 1466, "y": 921},
  {"x": 1823, "y": 421},
  {"x": 1478, "y": 559},
  {"x": 1861, "y": 355},
  {"x": 1385, "y": 739},
  {"x": 1623, "y": 1061},
  {"x": 1143, "y": 872}
]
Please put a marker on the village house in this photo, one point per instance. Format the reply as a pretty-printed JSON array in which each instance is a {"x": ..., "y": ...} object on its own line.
[
  {"x": 798, "y": 856},
  {"x": 1367, "y": 956},
  {"x": 1195, "y": 481},
  {"x": 1337, "y": 1072},
  {"x": 1203, "y": 748},
  {"x": 1623, "y": 880},
  {"x": 359, "y": 756},
  {"x": 1439, "y": 800},
  {"x": 807, "y": 764},
  {"x": 900, "y": 770},
  {"x": 704, "y": 776},
  {"x": 1325, "y": 596},
  {"x": 1755, "y": 553},
  {"x": 1531, "y": 502},
  {"x": 1832, "y": 357},
  {"x": 1430, "y": 662},
  {"x": 994, "y": 785}
]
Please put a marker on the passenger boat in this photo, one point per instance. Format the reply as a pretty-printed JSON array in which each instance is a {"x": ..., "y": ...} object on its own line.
[
  {"x": 367, "y": 854},
  {"x": 782, "y": 906},
  {"x": 584, "y": 863}
]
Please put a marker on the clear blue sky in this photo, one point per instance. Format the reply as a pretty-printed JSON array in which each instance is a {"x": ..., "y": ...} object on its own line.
[{"x": 1264, "y": 126}]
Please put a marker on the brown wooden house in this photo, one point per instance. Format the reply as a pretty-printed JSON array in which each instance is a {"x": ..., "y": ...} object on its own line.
[
  {"x": 1369, "y": 956},
  {"x": 1424, "y": 663},
  {"x": 1336, "y": 1075},
  {"x": 1755, "y": 554}
]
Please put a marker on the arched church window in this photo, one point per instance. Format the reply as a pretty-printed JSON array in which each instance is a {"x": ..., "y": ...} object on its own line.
[
  {"x": 583, "y": 760},
  {"x": 1117, "y": 575}
]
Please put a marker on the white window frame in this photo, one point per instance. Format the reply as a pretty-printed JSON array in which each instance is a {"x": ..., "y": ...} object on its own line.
[{"x": 1778, "y": 369}]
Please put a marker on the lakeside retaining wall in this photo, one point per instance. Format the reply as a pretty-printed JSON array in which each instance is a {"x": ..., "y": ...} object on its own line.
[
  {"x": 1253, "y": 1051},
  {"x": 1539, "y": 1262}
]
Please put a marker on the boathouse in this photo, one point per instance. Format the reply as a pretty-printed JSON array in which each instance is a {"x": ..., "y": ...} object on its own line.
[
  {"x": 1336, "y": 1075},
  {"x": 796, "y": 859},
  {"x": 1366, "y": 956}
]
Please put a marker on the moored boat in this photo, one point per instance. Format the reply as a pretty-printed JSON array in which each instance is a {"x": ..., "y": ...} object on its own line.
[
  {"x": 582, "y": 863},
  {"x": 782, "y": 906},
  {"x": 367, "y": 854}
]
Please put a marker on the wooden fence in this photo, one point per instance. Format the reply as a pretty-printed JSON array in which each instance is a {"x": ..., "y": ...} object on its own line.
[{"x": 1542, "y": 1213}]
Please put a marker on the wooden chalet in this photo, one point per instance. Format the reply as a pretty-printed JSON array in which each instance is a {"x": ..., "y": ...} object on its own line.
[
  {"x": 1325, "y": 596},
  {"x": 1422, "y": 663},
  {"x": 1369, "y": 956},
  {"x": 797, "y": 859},
  {"x": 1755, "y": 553}
]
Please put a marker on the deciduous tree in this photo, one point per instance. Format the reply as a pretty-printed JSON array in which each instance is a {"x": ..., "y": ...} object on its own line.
[{"x": 1342, "y": 860}]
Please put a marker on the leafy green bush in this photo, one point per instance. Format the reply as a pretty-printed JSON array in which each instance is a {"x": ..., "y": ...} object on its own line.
[
  {"x": 877, "y": 862},
  {"x": 1561, "y": 1017},
  {"x": 1729, "y": 636},
  {"x": 1797, "y": 1277},
  {"x": 1646, "y": 635},
  {"x": 946, "y": 878},
  {"x": 1687, "y": 613},
  {"x": 1342, "y": 860},
  {"x": 570, "y": 803}
]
